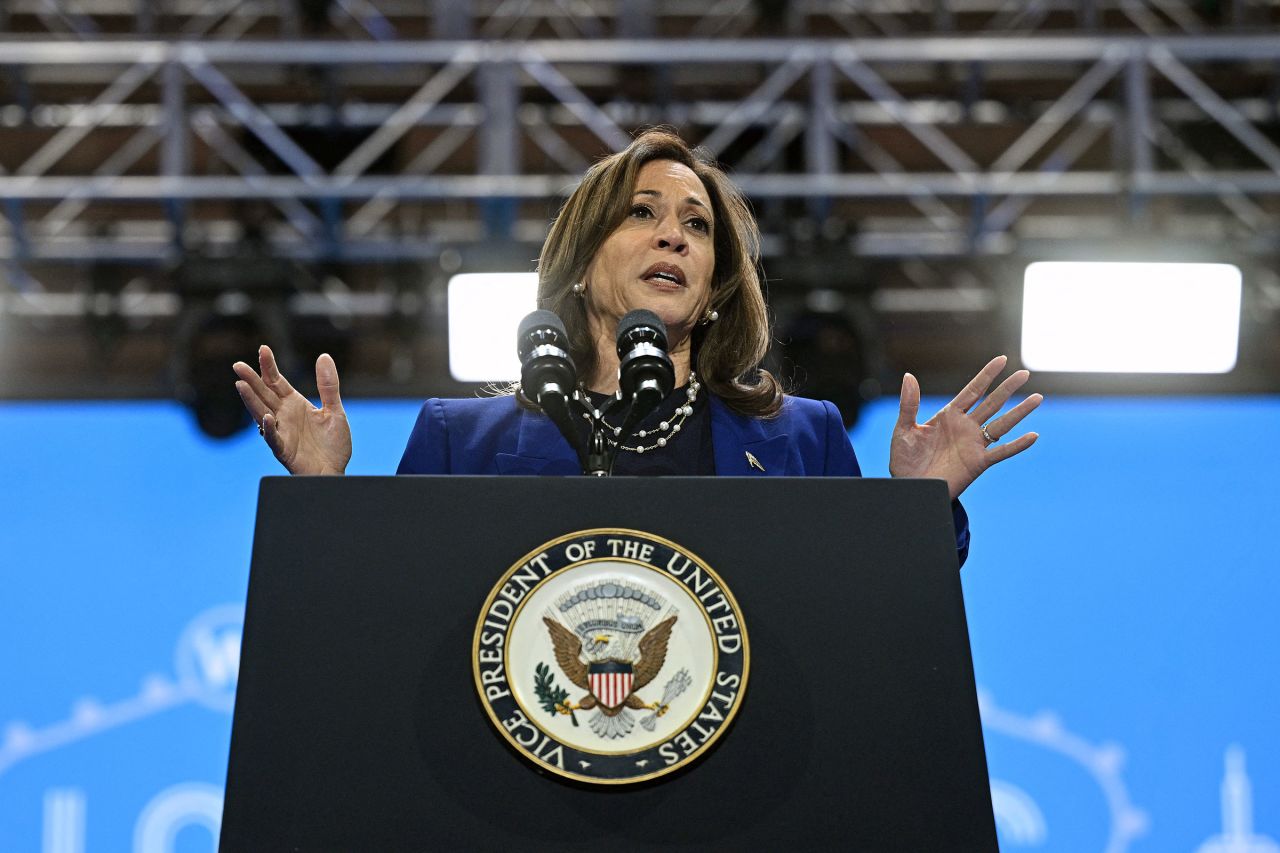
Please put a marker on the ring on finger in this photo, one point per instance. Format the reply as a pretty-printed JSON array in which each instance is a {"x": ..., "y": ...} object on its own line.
[
  {"x": 987, "y": 435},
  {"x": 262, "y": 430}
]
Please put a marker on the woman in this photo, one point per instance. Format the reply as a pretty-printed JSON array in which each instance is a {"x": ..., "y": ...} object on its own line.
[{"x": 656, "y": 227}]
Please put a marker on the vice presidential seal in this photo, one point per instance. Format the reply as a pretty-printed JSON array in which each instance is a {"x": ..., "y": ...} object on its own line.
[{"x": 611, "y": 656}]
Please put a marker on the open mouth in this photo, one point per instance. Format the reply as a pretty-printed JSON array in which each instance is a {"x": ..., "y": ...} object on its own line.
[{"x": 667, "y": 274}]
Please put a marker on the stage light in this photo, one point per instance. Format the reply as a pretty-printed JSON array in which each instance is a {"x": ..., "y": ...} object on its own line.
[
  {"x": 827, "y": 351},
  {"x": 208, "y": 342},
  {"x": 484, "y": 311},
  {"x": 1103, "y": 317}
]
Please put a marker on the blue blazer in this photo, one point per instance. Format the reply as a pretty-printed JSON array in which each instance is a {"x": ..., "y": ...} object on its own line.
[{"x": 493, "y": 435}]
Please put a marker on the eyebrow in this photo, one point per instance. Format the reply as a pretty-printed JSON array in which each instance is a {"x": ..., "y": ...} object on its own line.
[{"x": 690, "y": 200}]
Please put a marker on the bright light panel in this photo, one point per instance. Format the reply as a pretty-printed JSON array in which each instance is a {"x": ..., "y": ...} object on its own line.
[
  {"x": 485, "y": 309},
  {"x": 1131, "y": 317}
]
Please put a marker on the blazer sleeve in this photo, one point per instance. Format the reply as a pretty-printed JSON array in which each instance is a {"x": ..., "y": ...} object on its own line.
[
  {"x": 960, "y": 519},
  {"x": 428, "y": 449},
  {"x": 841, "y": 461}
]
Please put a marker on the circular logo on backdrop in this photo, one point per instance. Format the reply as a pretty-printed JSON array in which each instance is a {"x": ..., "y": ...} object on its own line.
[
  {"x": 208, "y": 656},
  {"x": 611, "y": 656}
]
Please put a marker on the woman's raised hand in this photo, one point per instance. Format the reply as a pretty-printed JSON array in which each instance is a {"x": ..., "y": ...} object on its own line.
[
  {"x": 952, "y": 444},
  {"x": 305, "y": 439}
]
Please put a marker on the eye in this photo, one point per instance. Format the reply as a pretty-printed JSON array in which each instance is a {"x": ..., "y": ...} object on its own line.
[
  {"x": 697, "y": 223},
  {"x": 641, "y": 211}
]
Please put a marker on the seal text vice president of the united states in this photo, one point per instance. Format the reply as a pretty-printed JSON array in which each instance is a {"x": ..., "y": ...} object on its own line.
[{"x": 657, "y": 226}]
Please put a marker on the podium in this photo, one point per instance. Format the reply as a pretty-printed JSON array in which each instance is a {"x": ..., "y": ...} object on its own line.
[{"x": 358, "y": 724}]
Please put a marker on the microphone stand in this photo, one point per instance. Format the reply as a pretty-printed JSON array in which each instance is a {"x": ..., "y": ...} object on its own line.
[
  {"x": 597, "y": 457},
  {"x": 558, "y": 407}
]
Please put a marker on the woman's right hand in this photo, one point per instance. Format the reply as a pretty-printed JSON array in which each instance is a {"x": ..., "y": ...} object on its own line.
[{"x": 305, "y": 439}]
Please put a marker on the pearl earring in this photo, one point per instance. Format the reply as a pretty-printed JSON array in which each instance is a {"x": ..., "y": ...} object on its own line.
[
  {"x": 711, "y": 316},
  {"x": 579, "y": 288}
]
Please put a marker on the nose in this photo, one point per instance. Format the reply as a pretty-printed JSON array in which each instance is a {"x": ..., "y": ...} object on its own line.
[{"x": 669, "y": 237}]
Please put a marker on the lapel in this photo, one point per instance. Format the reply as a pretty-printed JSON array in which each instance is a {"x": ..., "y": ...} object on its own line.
[
  {"x": 734, "y": 436},
  {"x": 540, "y": 449}
]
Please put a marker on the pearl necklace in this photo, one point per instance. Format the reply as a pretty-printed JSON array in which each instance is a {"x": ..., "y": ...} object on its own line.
[{"x": 666, "y": 429}]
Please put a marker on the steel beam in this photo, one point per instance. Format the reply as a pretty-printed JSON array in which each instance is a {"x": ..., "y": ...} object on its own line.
[
  {"x": 1223, "y": 112},
  {"x": 249, "y": 114},
  {"x": 87, "y": 118},
  {"x": 1043, "y": 50},
  {"x": 481, "y": 187},
  {"x": 395, "y": 127},
  {"x": 1063, "y": 110},
  {"x": 754, "y": 105},
  {"x": 898, "y": 107}
]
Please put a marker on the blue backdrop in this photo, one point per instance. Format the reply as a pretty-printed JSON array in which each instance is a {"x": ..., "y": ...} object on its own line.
[{"x": 1122, "y": 594}]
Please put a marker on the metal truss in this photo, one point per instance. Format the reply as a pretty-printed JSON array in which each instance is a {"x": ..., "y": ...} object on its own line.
[
  {"x": 938, "y": 146},
  {"x": 147, "y": 184},
  {"x": 391, "y": 20}
]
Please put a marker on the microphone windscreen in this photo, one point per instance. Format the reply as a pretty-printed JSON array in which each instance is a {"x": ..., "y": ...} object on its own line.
[
  {"x": 540, "y": 319},
  {"x": 642, "y": 317}
]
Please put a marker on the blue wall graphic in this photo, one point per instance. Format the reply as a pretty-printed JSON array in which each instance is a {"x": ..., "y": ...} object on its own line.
[{"x": 1123, "y": 594}]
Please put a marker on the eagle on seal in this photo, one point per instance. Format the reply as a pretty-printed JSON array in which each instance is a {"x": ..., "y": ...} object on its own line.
[{"x": 611, "y": 719}]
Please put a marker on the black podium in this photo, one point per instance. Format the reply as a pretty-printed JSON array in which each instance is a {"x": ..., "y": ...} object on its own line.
[{"x": 358, "y": 725}]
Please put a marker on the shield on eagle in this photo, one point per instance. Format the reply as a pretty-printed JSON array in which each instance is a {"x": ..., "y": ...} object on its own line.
[{"x": 610, "y": 681}]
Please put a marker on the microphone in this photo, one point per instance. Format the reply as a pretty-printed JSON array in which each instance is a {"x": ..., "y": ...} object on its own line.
[
  {"x": 547, "y": 374},
  {"x": 645, "y": 373},
  {"x": 545, "y": 366}
]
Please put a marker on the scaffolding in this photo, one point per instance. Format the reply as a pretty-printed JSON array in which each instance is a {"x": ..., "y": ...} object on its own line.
[
  {"x": 931, "y": 146},
  {"x": 369, "y": 163}
]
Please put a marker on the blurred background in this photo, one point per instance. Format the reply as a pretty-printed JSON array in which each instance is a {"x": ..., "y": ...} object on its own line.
[{"x": 181, "y": 181}]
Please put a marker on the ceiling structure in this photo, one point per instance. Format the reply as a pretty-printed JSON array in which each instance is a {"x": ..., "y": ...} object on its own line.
[{"x": 322, "y": 167}]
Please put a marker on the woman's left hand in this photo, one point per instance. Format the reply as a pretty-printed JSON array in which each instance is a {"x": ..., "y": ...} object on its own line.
[{"x": 950, "y": 445}]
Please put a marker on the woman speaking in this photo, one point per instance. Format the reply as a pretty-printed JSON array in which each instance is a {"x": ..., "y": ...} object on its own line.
[{"x": 656, "y": 227}]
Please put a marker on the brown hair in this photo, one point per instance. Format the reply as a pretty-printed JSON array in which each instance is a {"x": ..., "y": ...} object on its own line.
[{"x": 727, "y": 352}]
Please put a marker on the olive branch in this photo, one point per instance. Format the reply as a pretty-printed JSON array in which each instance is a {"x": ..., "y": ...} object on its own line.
[{"x": 553, "y": 697}]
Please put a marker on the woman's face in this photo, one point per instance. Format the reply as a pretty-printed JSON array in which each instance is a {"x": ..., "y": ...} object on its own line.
[{"x": 661, "y": 257}]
